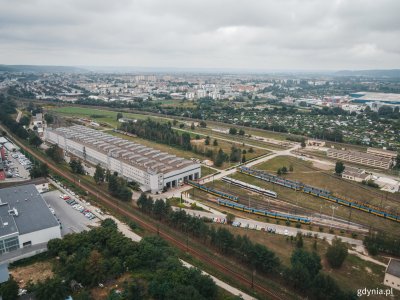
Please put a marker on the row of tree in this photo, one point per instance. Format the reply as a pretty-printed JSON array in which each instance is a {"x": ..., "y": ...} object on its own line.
[
  {"x": 381, "y": 242},
  {"x": 304, "y": 273},
  {"x": 92, "y": 257}
]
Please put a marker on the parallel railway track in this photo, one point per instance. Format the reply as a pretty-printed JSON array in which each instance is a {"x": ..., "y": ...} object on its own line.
[{"x": 107, "y": 200}]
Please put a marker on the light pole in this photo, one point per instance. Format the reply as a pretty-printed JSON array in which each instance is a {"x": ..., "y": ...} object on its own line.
[{"x": 333, "y": 214}]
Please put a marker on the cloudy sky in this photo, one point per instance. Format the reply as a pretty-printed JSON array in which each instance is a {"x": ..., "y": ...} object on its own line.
[{"x": 238, "y": 34}]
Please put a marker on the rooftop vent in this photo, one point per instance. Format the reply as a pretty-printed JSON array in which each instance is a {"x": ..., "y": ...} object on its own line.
[{"x": 13, "y": 212}]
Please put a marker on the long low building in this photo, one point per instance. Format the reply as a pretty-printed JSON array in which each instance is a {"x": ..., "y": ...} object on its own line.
[
  {"x": 382, "y": 152},
  {"x": 151, "y": 168},
  {"x": 361, "y": 158},
  {"x": 25, "y": 219}
]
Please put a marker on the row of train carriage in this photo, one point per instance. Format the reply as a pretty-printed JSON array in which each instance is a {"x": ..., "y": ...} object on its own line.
[
  {"x": 321, "y": 193},
  {"x": 231, "y": 201}
]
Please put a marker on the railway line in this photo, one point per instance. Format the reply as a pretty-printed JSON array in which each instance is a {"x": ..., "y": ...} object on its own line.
[
  {"x": 317, "y": 192},
  {"x": 114, "y": 205},
  {"x": 248, "y": 208}
]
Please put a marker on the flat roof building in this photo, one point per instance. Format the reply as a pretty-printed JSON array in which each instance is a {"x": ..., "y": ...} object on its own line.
[
  {"x": 150, "y": 167},
  {"x": 361, "y": 158},
  {"x": 392, "y": 274},
  {"x": 25, "y": 219}
]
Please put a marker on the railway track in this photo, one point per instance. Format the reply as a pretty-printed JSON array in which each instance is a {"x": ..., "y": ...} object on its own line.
[
  {"x": 272, "y": 205},
  {"x": 107, "y": 200}
]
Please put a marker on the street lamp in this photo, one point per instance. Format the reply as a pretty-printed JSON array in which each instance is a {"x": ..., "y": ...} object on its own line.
[{"x": 333, "y": 213}]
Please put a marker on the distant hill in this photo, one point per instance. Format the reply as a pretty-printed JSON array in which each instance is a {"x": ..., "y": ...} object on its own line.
[
  {"x": 394, "y": 73},
  {"x": 40, "y": 69}
]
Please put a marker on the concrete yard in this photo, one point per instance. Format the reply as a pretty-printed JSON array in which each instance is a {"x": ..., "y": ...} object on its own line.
[{"x": 71, "y": 219}]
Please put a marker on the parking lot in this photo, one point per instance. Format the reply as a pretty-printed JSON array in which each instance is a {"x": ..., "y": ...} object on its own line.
[
  {"x": 17, "y": 165},
  {"x": 71, "y": 219}
]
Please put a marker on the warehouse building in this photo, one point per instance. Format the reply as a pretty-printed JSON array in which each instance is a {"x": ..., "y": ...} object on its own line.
[
  {"x": 361, "y": 158},
  {"x": 25, "y": 219},
  {"x": 151, "y": 168}
]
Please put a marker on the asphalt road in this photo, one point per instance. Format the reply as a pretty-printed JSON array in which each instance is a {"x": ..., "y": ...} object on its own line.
[{"x": 71, "y": 219}]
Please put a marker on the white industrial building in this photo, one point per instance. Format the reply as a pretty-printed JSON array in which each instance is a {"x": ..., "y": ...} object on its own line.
[
  {"x": 25, "y": 219},
  {"x": 151, "y": 168}
]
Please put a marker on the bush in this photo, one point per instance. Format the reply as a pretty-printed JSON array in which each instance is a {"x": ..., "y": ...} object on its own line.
[{"x": 336, "y": 253}]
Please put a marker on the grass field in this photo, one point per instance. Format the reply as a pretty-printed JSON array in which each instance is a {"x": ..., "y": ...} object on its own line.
[
  {"x": 101, "y": 115},
  {"x": 110, "y": 117},
  {"x": 304, "y": 172},
  {"x": 355, "y": 273}
]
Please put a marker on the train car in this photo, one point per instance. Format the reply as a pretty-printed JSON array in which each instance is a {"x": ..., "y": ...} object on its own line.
[
  {"x": 212, "y": 191},
  {"x": 271, "y": 178},
  {"x": 265, "y": 213},
  {"x": 250, "y": 187},
  {"x": 320, "y": 193}
]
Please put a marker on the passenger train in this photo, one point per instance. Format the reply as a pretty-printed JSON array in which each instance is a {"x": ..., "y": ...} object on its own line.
[{"x": 323, "y": 194}]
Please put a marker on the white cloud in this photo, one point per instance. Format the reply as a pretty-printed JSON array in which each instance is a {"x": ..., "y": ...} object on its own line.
[{"x": 278, "y": 34}]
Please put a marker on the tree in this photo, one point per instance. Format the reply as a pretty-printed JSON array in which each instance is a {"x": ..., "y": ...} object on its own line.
[
  {"x": 207, "y": 141},
  {"x": 192, "y": 126},
  {"x": 299, "y": 240},
  {"x": 203, "y": 124},
  {"x": 241, "y": 132},
  {"x": 303, "y": 144},
  {"x": 339, "y": 167},
  {"x": 336, "y": 253},
  {"x": 24, "y": 121},
  {"x": 55, "y": 153},
  {"x": 230, "y": 218},
  {"x": 215, "y": 143},
  {"x": 251, "y": 150},
  {"x": 279, "y": 171},
  {"x": 174, "y": 122},
  {"x": 235, "y": 155},
  {"x": 99, "y": 174},
  {"x": 51, "y": 289},
  {"x": 181, "y": 125},
  {"x": 109, "y": 223},
  {"x": 159, "y": 209},
  {"x": 243, "y": 159},
  {"x": 232, "y": 131},
  {"x": 310, "y": 261},
  {"x": 34, "y": 140},
  {"x": 284, "y": 170},
  {"x": 76, "y": 166},
  {"x": 49, "y": 118},
  {"x": 220, "y": 158},
  {"x": 41, "y": 170},
  {"x": 9, "y": 289},
  {"x": 119, "y": 116}
]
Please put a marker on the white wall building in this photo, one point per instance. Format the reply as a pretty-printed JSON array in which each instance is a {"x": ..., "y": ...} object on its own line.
[
  {"x": 25, "y": 219},
  {"x": 151, "y": 168}
]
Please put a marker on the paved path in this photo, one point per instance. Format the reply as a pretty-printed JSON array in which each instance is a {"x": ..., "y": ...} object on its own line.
[
  {"x": 223, "y": 285},
  {"x": 18, "y": 116},
  {"x": 125, "y": 230},
  {"x": 359, "y": 249}
]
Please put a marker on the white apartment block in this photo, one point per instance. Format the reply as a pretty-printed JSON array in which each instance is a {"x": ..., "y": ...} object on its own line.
[
  {"x": 361, "y": 158},
  {"x": 151, "y": 168}
]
